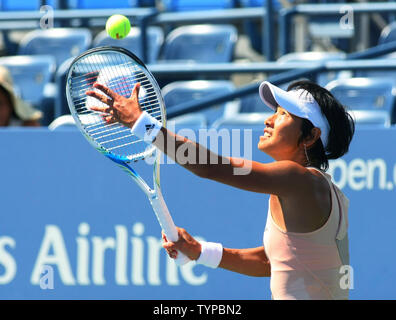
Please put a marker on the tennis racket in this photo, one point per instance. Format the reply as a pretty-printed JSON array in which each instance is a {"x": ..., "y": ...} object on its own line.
[{"x": 119, "y": 70}]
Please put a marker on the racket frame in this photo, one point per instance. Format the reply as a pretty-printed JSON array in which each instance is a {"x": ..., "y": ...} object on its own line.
[
  {"x": 154, "y": 194},
  {"x": 149, "y": 151}
]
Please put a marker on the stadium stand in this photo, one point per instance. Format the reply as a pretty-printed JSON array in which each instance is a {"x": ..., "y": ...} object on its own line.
[
  {"x": 253, "y": 121},
  {"x": 371, "y": 101},
  {"x": 133, "y": 42},
  {"x": 62, "y": 43},
  {"x": 60, "y": 106},
  {"x": 179, "y": 43},
  {"x": 201, "y": 43},
  {"x": 146, "y": 3},
  {"x": 388, "y": 34},
  {"x": 61, "y": 122},
  {"x": 32, "y": 80},
  {"x": 251, "y": 104},
  {"x": 181, "y": 91},
  {"x": 31, "y": 74},
  {"x": 259, "y": 3},
  {"x": 23, "y": 5},
  {"x": 323, "y": 78},
  {"x": 198, "y": 5},
  {"x": 94, "y": 4}
]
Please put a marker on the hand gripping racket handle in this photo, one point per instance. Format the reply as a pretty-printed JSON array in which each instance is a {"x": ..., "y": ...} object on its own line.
[{"x": 167, "y": 224}]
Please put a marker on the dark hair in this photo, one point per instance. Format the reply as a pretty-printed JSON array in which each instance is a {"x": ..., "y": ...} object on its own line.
[
  {"x": 8, "y": 95},
  {"x": 342, "y": 126}
]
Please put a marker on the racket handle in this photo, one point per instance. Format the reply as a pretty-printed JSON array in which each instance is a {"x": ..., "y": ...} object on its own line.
[{"x": 167, "y": 224}]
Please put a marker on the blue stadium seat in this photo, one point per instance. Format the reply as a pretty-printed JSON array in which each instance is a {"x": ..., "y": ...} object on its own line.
[
  {"x": 65, "y": 121},
  {"x": 329, "y": 27},
  {"x": 155, "y": 37},
  {"x": 252, "y": 104},
  {"x": 259, "y": 3},
  {"x": 316, "y": 56},
  {"x": 97, "y": 4},
  {"x": 19, "y": 5},
  {"x": 62, "y": 43},
  {"x": 30, "y": 74},
  {"x": 248, "y": 112},
  {"x": 201, "y": 43},
  {"x": 388, "y": 34},
  {"x": 376, "y": 73},
  {"x": 32, "y": 80},
  {"x": 254, "y": 29},
  {"x": 311, "y": 56},
  {"x": 146, "y": 3},
  {"x": 183, "y": 91},
  {"x": 369, "y": 100},
  {"x": 23, "y": 5},
  {"x": 197, "y": 5},
  {"x": 61, "y": 107}
]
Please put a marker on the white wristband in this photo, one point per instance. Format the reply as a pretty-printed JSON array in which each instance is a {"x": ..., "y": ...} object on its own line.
[
  {"x": 146, "y": 127},
  {"x": 211, "y": 254}
]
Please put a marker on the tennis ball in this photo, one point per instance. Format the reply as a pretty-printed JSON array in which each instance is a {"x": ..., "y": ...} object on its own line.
[{"x": 118, "y": 26}]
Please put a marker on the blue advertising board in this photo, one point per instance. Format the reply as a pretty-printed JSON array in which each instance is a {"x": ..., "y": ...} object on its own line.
[{"x": 74, "y": 226}]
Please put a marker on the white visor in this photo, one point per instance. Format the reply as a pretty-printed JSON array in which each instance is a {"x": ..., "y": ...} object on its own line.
[{"x": 298, "y": 102}]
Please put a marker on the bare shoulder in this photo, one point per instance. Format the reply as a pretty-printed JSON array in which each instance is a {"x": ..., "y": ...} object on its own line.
[
  {"x": 308, "y": 207},
  {"x": 310, "y": 177},
  {"x": 299, "y": 179},
  {"x": 319, "y": 182}
]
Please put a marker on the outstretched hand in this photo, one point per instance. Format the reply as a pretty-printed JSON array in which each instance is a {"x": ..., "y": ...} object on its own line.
[
  {"x": 186, "y": 244},
  {"x": 119, "y": 108}
]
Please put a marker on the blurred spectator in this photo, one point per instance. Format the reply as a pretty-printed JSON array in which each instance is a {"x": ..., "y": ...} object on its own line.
[{"x": 13, "y": 110}]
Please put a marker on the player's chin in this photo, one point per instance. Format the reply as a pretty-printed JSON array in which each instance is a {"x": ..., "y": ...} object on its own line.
[{"x": 263, "y": 143}]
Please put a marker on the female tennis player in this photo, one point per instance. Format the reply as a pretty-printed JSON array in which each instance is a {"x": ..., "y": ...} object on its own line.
[{"x": 305, "y": 239}]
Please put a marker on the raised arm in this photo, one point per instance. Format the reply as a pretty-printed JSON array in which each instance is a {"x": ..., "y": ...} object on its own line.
[
  {"x": 185, "y": 152},
  {"x": 280, "y": 178}
]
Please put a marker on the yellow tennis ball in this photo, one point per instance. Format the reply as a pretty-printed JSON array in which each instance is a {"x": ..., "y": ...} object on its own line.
[{"x": 118, "y": 26}]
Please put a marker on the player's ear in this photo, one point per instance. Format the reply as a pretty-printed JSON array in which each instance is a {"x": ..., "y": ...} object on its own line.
[{"x": 310, "y": 140}]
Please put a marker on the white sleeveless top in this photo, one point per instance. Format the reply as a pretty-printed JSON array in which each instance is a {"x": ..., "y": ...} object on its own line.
[{"x": 307, "y": 265}]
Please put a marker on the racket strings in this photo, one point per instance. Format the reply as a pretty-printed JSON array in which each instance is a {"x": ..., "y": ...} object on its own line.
[
  {"x": 136, "y": 76},
  {"x": 145, "y": 84},
  {"x": 95, "y": 66},
  {"x": 109, "y": 127},
  {"x": 120, "y": 73},
  {"x": 115, "y": 83},
  {"x": 153, "y": 111},
  {"x": 122, "y": 145},
  {"x": 109, "y": 134},
  {"x": 152, "y": 106},
  {"x": 116, "y": 139},
  {"x": 89, "y": 81},
  {"x": 148, "y": 103}
]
